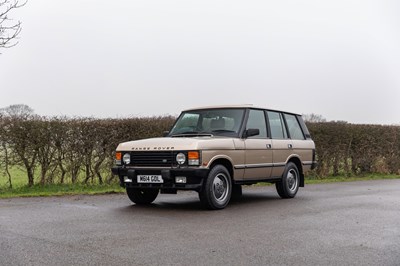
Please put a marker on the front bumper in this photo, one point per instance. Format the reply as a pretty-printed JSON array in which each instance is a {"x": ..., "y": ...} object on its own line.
[{"x": 194, "y": 177}]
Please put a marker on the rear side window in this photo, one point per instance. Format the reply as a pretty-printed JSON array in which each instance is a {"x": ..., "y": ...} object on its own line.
[
  {"x": 278, "y": 129},
  {"x": 294, "y": 127}
]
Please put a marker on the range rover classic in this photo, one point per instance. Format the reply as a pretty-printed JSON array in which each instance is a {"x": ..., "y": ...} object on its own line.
[{"x": 216, "y": 150}]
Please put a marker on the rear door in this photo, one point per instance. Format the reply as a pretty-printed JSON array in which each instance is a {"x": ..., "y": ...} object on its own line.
[{"x": 281, "y": 144}]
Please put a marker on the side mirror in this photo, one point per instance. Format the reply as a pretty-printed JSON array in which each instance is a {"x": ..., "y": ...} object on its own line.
[
  {"x": 251, "y": 132},
  {"x": 165, "y": 133}
]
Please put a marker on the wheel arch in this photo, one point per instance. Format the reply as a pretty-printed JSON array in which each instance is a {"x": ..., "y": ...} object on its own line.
[
  {"x": 226, "y": 163},
  {"x": 296, "y": 160}
]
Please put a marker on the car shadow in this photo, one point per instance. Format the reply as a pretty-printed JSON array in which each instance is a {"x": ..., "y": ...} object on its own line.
[{"x": 192, "y": 203}]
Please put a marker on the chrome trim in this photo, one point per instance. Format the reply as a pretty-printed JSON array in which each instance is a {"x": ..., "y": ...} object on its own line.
[{"x": 258, "y": 165}]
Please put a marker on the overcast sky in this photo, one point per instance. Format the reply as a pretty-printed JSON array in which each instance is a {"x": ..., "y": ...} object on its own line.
[{"x": 339, "y": 59}]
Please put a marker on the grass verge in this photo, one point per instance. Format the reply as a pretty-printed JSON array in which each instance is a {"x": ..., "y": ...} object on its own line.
[
  {"x": 332, "y": 179},
  {"x": 80, "y": 189},
  {"x": 59, "y": 190}
]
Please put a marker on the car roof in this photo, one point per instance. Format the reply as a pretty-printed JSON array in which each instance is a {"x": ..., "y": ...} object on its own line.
[{"x": 250, "y": 106}]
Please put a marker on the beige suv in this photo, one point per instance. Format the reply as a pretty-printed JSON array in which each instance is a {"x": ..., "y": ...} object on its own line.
[{"x": 216, "y": 150}]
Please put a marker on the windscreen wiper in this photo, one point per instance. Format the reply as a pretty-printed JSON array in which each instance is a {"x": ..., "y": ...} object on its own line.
[{"x": 222, "y": 131}]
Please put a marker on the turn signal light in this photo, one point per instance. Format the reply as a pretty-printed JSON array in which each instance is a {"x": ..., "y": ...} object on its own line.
[
  {"x": 118, "y": 156},
  {"x": 194, "y": 158}
]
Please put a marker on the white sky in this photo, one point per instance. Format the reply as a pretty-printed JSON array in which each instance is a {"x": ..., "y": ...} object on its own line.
[{"x": 339, "y": 59}]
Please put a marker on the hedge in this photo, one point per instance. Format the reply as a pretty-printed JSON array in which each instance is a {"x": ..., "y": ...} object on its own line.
[{"x": 61, "y": 149}]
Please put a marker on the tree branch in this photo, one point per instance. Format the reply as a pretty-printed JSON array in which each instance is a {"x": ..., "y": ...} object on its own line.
[{"x": 8, "y": 30}]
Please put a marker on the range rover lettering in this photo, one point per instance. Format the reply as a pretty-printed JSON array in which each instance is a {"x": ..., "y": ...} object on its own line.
[{"x": 216, "y": 150}]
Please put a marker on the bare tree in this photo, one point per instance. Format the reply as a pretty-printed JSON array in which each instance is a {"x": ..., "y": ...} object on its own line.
[
  {"x": 46, "y": 150},
  {"x": 4, "y": 148},
  {"x": 17, "y": 111},
  {"x": 9, "y": 29},
  {"x": 313, "y": 118},
  {"x": 21, "y": 137}
]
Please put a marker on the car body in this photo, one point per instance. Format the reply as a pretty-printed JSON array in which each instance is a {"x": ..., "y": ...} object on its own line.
[{"x": 216, "y": 150}]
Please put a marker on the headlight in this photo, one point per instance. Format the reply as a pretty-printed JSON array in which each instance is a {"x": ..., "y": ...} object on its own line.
[
  {"x": 180, "y": 158},
  {"x": 126, "y": 158}
]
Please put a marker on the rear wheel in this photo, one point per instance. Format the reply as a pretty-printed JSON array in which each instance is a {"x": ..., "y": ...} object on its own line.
[
  {"x": 288, "y": 187},
  {"x": 217, "y": 188},
  {"x": 142, "y": 195}
]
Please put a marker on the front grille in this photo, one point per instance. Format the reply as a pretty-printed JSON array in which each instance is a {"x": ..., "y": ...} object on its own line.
[{"x": 153, "y": 158}]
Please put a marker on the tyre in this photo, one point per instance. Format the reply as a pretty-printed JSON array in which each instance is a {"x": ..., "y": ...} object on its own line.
[
  {"x": 288, "y": 187},
  {"x": 217, "y": 189},
  {"x": 142, "y": 195}
]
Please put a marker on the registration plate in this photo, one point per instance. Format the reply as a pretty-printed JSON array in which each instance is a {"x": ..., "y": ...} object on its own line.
[{"x": 150, "y": 179}]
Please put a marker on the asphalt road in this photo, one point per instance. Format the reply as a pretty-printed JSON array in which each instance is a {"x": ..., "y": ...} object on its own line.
[{"x": 354, "y": 223}]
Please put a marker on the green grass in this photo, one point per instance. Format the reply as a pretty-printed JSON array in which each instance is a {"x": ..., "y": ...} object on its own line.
[
  {"x": 19, "y": 178},
  {"x": 59, "y": 190},
  {"x": 331, "y": 179},
  {"x": 20, "y": 188}
]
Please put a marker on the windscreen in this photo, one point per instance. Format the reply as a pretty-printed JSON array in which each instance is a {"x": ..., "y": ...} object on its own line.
[{"x": 224, "y": 122}]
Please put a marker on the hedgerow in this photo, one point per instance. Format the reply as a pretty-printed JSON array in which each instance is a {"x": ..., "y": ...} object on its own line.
[{"x": 69, "y": 150}]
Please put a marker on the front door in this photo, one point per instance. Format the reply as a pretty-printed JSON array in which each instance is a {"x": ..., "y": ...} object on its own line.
[{"x": 258, "y": 152}]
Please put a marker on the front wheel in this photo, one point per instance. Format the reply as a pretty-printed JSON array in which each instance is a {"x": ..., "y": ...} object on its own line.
[
  {"x": 217, "y": 189},
  {"x": 288, "y": 187},
  {"x": 142, "y": 195}
]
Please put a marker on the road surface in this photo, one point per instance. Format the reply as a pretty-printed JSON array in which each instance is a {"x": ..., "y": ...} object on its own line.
[{"x": 356, "y": 223}]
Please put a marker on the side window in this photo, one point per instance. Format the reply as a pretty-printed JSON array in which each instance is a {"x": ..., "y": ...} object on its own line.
[
  {"x": 294, "y": 127},
  {"x": 257, "y": 120},
  {"x": 278, "y": 129}
]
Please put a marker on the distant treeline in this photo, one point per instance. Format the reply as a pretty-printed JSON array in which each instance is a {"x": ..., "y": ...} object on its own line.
[{"x": 60, "y": 150}]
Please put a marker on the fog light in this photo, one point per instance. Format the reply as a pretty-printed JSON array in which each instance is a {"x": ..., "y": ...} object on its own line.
[
  {"x": 127, "y": 179},
  {"x": 180, "y": 179}
]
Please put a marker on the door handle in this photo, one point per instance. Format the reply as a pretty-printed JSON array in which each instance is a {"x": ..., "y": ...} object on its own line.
[{"x": 269, "y": 146}]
